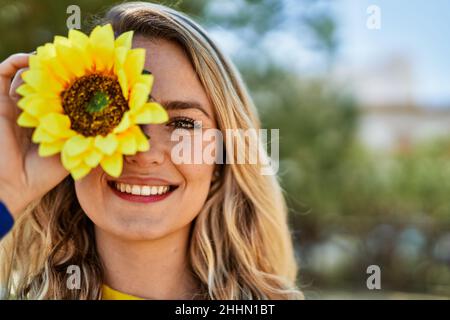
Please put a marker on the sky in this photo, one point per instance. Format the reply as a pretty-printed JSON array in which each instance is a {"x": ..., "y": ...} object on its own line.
[
  {"x": 406, "y": 61},
  {"x": 415, "y": 31}
]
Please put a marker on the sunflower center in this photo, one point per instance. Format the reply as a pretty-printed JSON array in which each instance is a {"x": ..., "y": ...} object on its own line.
[
  {"x": 95, "y": 104},
  {"x": 98, "y": 102}
]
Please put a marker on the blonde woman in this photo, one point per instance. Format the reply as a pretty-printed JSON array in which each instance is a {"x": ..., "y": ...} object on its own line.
[{"x": 211, "y": 232}]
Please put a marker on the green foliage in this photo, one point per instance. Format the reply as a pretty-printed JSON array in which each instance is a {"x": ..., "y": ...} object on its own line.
[{"x": 27, "y": 24}]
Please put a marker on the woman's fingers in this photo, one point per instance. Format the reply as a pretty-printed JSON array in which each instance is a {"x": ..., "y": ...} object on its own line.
[
  {"x": 13, "y": 67},
  {"x": 9, "y": 68},
  {"x": 24, "y": 175},
  {"x": 17, "y": 81}
]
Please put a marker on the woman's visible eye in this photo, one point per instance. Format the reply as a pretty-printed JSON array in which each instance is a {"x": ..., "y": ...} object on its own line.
[{"x": 184, "y": 123}]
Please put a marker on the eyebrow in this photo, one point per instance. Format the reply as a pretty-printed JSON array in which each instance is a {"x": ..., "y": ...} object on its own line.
[
  {"x": 179, "y": 105},
  {"x": 182, "y": 105}
]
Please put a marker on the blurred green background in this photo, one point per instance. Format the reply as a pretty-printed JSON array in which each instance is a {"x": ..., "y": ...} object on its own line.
[{"x": 364, "y": 140}]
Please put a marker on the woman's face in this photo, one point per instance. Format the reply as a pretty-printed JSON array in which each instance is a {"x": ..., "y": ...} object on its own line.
[{"x": 133, "y": 214}]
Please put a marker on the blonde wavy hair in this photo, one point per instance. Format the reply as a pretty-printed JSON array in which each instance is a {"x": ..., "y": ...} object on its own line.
[{"x": 240, "y": 245}]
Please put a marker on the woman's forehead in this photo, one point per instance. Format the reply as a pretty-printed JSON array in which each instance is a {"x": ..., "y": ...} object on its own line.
[{"x": 175, "y": 78}]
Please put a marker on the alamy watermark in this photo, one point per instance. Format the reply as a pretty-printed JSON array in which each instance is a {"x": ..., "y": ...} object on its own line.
[
  {"x": 374, "y": 280},
  {"x": 73, "y": 281},
  {"x": 243, "y": 146},
  {"x": 73, "y": 21},
  {"x": 373, "y": 21}
]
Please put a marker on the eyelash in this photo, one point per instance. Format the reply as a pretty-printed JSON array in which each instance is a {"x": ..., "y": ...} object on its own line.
[{"x": 184, "y": 123}]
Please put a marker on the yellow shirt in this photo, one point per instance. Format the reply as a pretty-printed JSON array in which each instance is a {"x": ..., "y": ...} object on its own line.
[{"x": 111, "y": 294}]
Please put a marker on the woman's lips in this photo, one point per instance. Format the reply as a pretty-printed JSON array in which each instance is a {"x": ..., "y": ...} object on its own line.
[{"x": 140, "y": 197}]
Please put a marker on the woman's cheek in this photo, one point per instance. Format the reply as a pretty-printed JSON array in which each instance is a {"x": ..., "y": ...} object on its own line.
[
  {"x": 197, "y": 181},
  {"x": 89, "y": 191}
]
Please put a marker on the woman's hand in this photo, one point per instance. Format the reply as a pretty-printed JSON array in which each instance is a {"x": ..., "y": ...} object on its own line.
[{"x": 24, "y": 175}]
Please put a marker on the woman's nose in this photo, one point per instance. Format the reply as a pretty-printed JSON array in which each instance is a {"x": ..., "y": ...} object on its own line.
[{"x": 157, "y": 153}]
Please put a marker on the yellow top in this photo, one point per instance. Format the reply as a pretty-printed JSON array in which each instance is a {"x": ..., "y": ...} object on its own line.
[{"x": 111, "y": 294}]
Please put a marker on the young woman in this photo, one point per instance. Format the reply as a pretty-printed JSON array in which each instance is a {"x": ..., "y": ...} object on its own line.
[{"x": 212, "y": 232}]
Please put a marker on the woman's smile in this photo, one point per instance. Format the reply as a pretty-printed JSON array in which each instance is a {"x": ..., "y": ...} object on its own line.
[{"x": 142, "y": 190}]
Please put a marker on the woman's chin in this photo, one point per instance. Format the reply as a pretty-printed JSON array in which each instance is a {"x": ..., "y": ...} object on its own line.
[{"x": 137, "y": 229}]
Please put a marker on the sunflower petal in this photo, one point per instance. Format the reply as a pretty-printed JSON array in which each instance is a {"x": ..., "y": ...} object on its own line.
[
  {"x": 143, "y": 145},
  {"x": 35, "y": 62},
  {"x": 79, "y": 172},
  {"x": 141, "y": 140},
  {"x": 77, "y": 145},
  {"x": 124, "y": 124},
  {"x": 78, "y": 38},
  {"x": 27, "y": 120},
  {"x": 25, "y": 89},
  {"x": 67, "y": 55},
  {"x": 106, "y": 144},
  {"x": 151, "y": 112},
  {"x": 147, "y": 80},
  {"x": 42, "y": 135},
  {"x": 120, "y": 55},
  {"x": 69, "y": 162},
  {"x": 93, "y": 158},
  {"x": 143, "y": 117},
  {"x": 80, "y": 42},
  {"x": 139, "y": 95},
  {"x": 134, "y": 64},
  {"x": 124, "y": 40},
  {"x": 60, "y": 72},
  {"x": 40, "y": 80},
  {"x": 43, "y": 59},
  {"x": 102, "y": 46},
  {"x": 38, "y": 106},
  {"x": 122, "y": 78},
  {"x": 46, "y": 51},
  {"x": 58, "y": 125},
  {"x": 113, "y": 164},
  {"x": 48, "y": 57},
  {"x": 49, "y": 149},
  {"x": 127, "y": 144}
]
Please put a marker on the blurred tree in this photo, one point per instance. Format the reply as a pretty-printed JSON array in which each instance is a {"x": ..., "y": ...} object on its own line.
[{"x": 26, "y": 24}]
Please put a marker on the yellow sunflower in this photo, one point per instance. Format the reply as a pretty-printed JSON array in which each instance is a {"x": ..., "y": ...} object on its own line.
[{"x": 86, "y": 96}]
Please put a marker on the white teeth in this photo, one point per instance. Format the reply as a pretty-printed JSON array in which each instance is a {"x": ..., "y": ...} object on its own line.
[
  {"x": 145, "y": 191},
  {"x": 163, "y": 189},
  {"x": 141, "y": 190},
  {"x": 136, "y": 190}
]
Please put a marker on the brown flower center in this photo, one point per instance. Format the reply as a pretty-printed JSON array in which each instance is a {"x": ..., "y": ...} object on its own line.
[{"x": 94, "y": 104}]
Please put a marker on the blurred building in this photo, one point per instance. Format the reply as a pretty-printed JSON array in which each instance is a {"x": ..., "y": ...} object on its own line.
[
  {"x": 398, "y": 127},
  {"x": 391, "y": 119}
]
